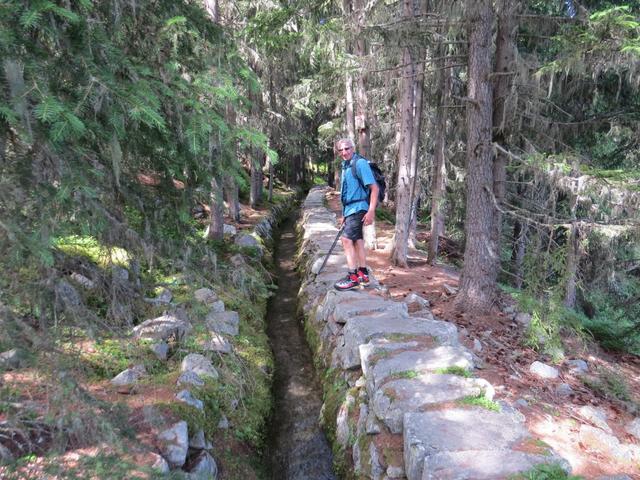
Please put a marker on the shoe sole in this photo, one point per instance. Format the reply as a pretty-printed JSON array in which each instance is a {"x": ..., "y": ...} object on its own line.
[{"x": 347, "y": 288}]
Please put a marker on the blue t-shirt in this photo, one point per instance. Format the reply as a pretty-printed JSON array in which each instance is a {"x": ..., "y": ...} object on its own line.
[{"x": 354, "y": 197}]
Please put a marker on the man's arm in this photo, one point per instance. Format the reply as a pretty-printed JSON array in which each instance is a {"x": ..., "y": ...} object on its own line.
[{"x": 370, "y": 216}]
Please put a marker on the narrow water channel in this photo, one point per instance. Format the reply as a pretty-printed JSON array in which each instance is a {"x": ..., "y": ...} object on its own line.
[{"x": 298, "y": 447}]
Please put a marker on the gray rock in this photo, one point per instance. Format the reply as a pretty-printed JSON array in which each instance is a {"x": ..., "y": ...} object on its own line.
[
  {"x": 376, "y": 468},
  {"x": 120, "y": 274},
  {"x": 477, "y": 345},
  {"x": 615, "y": 477},
  {"x": 395, "y": 471},
  {"x": 199, "y": 364},
  {"x": 415, "y": 298},
  {"x": 523, "y": 319},
  {"x": 465, "y": 444},
  {"x": 597, "y": 416},
  {"x": 223, "y": 423},
  {"x": 224, "y": 322},
  {"x": 83, "y": 281},
  {"x": 12, "y": 359},
  {"x": 360, "y": 330},
  {"x": 199, "y": 442},
  {"x": 246, "y": 241},
  {"x": 483, "y": 464},
  {"x": 67, "y": 294},
  {"x": 633, "y": 427},
  {"x": 577, "y": 367},
  {"x": 174, "y": 443},
  {"x": 171, "y": 325},
  {"x": 160, "y": 350},
  {"x": 449, "y": 289},
  {"x": 414, "y": 361},
  {"x": 365, "y": 305},
  {"x": 5, "y": 454},
  {"x": 217, "y": 306},
  {"x": 543, "y": 370},
  {"x": 217, "y": 343},
  {"x": 190, "y": 378},
  {"x": 159, "y": 464},
  {"x": 564, "y": 390},
  {"x": 398, "y": 397},
  {"x": 187, "y": 397},
  {"x": 373, "y": 426},
  {"x": 203, "y": 466},
  {"x": 229, "y": 229},
  {"x": 205, "y": 295},
  {"x": 598, "y": 440},
  {"x": 129, "y": 376}
]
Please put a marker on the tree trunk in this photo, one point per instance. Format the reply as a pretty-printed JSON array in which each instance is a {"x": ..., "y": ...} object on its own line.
[
  {"x": 439, "y": 173},
  {"x": 216, "y": 223},
  {"x": 255, "y": 194},
  {"x": 502, "y": 116},
  {"x": 573, "y": 260},
  {"x": 479, "y": 275},
  {"x": 347, "y": 10},
  {"x": 271, "y": 173},
  {"x": 231, "y": 196},
  {"x": 361, "y": 120},
  {"x": 408, "y": 117}
]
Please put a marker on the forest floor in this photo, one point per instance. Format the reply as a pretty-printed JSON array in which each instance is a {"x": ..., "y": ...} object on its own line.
[{"x": 552, "y": 418}]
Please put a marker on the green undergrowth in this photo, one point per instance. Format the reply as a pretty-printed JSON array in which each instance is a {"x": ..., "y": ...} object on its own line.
[
  {"x": 455, "y": 370},
  {"x": 545, "y": 472},
  {"x": 480, "y": 401}
]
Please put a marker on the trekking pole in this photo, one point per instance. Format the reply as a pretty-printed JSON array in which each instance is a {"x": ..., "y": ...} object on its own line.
[{"x": 333, "y": 245}]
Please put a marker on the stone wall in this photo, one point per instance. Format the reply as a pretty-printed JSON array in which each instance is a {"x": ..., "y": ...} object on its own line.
[{"x": 402, "y": 397}]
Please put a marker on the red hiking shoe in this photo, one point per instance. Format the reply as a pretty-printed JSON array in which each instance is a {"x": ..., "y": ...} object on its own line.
[
  {"x": 351, "y": 281},
  {"x": 363, "y": 277}
]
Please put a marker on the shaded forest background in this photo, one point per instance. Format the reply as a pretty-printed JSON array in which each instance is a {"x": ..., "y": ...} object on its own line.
[{"x": 509, "y": 128}]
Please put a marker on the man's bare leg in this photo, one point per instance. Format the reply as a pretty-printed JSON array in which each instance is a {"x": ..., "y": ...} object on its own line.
[{"x": 350, "y": 252}]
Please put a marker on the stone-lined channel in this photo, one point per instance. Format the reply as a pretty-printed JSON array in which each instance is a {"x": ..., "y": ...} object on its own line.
[{"x": 298, "y": 449}]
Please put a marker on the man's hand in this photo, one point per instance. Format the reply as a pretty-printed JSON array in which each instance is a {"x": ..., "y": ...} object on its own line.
[{"x": 369, "y": 217}]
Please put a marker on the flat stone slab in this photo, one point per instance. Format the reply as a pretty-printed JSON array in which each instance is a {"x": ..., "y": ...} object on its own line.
[
  {"x": 442, "y": 444},
  {"x": 364, "y": 305},
  {"x": 482, "y": 465},
  {"x": 394, "y": 399},
  {"x": 418, "y": 361},
  {"x": 362, "y": 329}
]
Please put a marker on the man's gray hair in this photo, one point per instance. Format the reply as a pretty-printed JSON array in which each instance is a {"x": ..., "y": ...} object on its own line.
[{"x": 347, "y": 141}]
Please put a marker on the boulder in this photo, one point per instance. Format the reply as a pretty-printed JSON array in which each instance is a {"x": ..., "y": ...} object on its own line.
[
  {"x": 198, "y": 364},
  {"x": 224, "y": 322},
  {"x": 171, "y": 325},
  {"x": 174, "y": 444},
  {"x": 205, "y": 295},
  {"x": 247, "y": 241},
  {"x": 543, "y": 370},
  {"x": 12, "y": 359},
  {"x": 160, "y": 350},
  {"x": 187, "y": 397},
  {"x": 190, "y": 378},
  {"x": 129, "y": 376}
]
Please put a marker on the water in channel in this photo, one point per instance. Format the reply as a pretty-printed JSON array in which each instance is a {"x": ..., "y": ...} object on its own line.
[{"x": 298, "y": 449}]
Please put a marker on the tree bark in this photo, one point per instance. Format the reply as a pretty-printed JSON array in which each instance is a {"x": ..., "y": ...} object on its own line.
[
  {"x": 502, "y": 116},
  {"x": 230, "y": 188},
  {"x": 479, "y": 275},
  {"x": 361, "y": 120},
  {"x": 216, "y": 223},
  {"x": 255, "y": 194},
  {"x": 409, "y": 114},
  {"x": 439, "y": 173}
]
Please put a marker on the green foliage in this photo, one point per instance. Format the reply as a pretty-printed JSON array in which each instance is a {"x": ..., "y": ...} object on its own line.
[
  {"x": 545, "y": 472},
  {"x": 455, "y": 370},
  {"x": 480, "y": 401}
]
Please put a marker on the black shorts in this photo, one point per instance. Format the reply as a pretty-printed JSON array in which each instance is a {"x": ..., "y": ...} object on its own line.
[{"x": 353, "y": 226}]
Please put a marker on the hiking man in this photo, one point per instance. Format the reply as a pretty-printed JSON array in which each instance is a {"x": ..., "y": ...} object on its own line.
[{"x": 359, "y": 198}]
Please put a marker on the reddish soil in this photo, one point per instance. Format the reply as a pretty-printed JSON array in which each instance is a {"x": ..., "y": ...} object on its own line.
[{"x": 506, "y": 360}]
